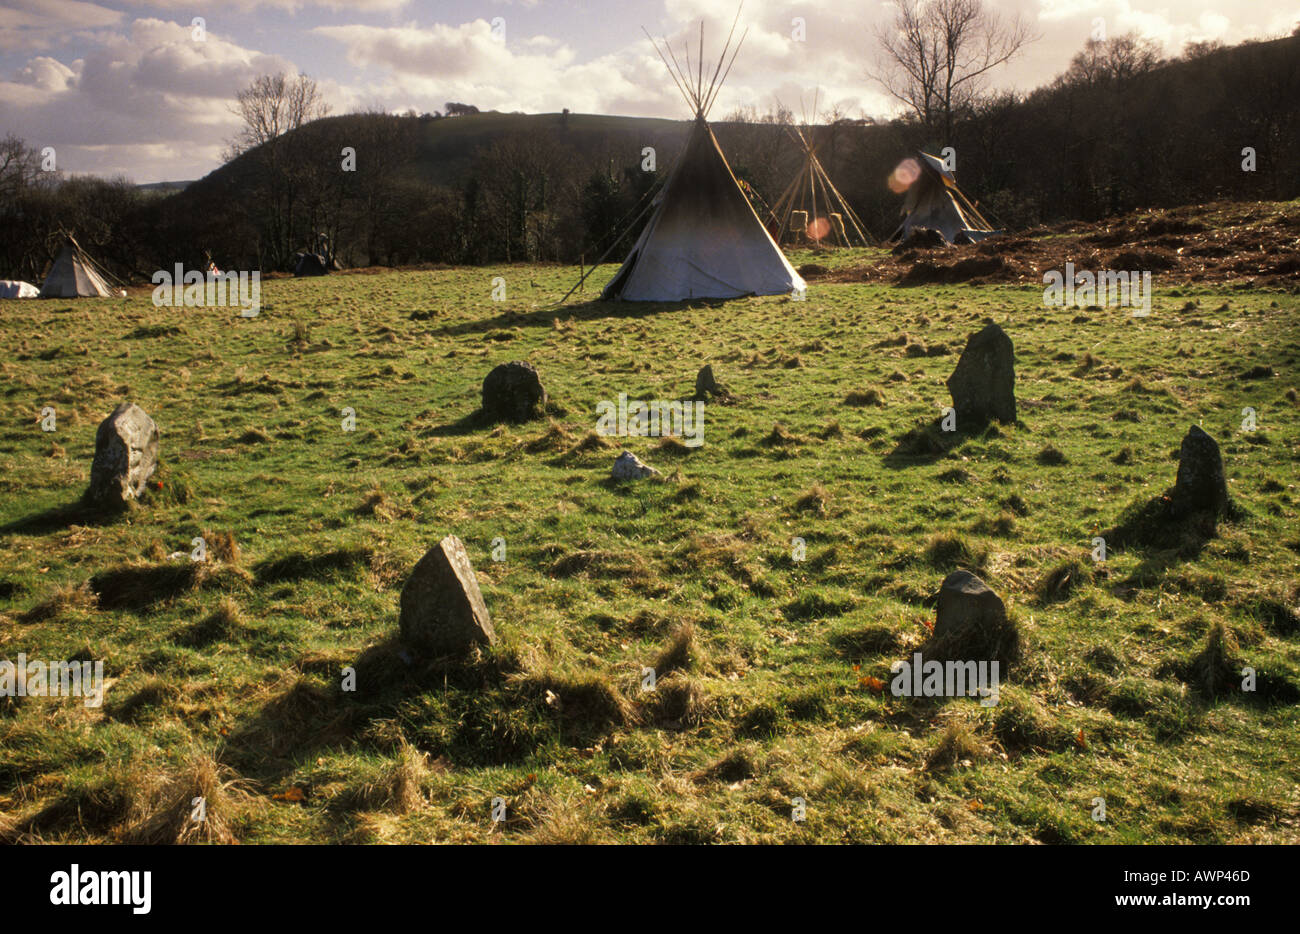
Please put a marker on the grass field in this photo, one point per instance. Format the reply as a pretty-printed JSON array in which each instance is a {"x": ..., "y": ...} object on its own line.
[{"x": 224, "y": 676}]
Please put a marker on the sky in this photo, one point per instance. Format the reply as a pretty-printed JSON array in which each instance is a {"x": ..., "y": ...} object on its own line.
[{"x": 139, "y": 89}]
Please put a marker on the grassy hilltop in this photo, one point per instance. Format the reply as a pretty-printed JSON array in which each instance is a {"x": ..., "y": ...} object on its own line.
[{"x": 224, "y": 676}]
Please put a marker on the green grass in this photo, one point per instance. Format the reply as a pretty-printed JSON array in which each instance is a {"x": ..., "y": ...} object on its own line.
[{"x": 224, "y": 679}]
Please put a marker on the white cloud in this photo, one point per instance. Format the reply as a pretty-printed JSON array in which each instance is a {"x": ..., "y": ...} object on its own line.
[
  {"x": 151, "y": 94},
  {"x": 48, "y": 74},
  {"x": 140, "y": 95},
  {"x": 39, "y": 24},
  {"x": 290, "y": 6},
  {"x": 426, "y": 65}
]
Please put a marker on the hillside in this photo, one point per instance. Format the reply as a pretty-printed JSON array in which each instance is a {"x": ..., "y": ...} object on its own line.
[
  {"x": 446, "y": 147},
  {"x": 441, "y": 152}
]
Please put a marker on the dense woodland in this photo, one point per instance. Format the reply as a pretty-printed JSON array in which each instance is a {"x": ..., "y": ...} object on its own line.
[{"x": 1121, "y": 129}]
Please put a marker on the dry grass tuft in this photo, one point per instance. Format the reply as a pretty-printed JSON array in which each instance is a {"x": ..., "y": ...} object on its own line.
[
  {"x": 872, "y": 397},
  {"x": 222, "y": 547},
  {"x": 202, "y": 788},
  {"x": 1062, "y": 580},
  {"x": 70, "y": 597},
  {"x": 959, "y": 743},
  {"x": 814, "y": 500},
  {"x": 400, "y": 786},
  {"x": 679, "y": 653}
]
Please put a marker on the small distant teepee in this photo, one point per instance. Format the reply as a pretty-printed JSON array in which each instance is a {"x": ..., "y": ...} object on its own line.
[
  {"x": 703, "y": 239},
  {"x": 934, "y": 201},
  {"x": 811, "y": 211},
  {"x": 74, "y": 275}
]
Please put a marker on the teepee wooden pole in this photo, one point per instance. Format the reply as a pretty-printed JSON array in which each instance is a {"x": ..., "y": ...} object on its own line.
[
  {"x": 699, "y": 64},
  {"x": 867, "y": 240},
  {"x": 603, "y": 256},
  {"x": 713, "y": 82},
  {"x": 786, "y": 201},
  {"x": 671, "y": 73},
  {"x": 709, "y": 103}
]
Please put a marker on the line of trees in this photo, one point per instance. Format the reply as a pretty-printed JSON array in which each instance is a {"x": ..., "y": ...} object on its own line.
[
  {"x": 1119, "y": 129},
  {"x": 39, "y": 206}
]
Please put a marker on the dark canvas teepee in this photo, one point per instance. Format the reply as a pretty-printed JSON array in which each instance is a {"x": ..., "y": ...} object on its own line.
[
  {"x": 74, "y": 275},
  {"x": 934, "y": 200},
  {"x": 704, "y": 239}
]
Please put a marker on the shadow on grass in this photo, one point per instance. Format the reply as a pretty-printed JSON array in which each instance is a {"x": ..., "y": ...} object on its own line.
[
  {"x": 583, "y": 311},
  {"x": 476, "y": 421},
  {"x": 301, "y": 565},
  {"x": 480, "y": 420},
  {"x": 392, "y": 689},
  {"x": 61, "y": 517},
  {"x": 139, "y": 587},
  {"x": 1165, "y": 535},
  {"x": 479, "y": 710},
  {"x": 927, "y": 443},
  {"x": 1217, "y": 674}
]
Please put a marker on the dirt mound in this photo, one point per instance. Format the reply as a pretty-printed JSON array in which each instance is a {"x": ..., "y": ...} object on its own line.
[
  {"x": 921, "y": 238},
  {"x": 970, "y": 269},
  {"x": 1252, "y": 241},
  {"x": 1153, "y": 260},
  {"x": 1002, "y": 244}
]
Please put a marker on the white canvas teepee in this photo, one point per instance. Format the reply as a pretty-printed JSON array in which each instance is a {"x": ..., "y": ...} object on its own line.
[
  {"x": 934, "y": 200},
  {"x": 703, "y": 239},
  {"x": 74, "y": 275}
]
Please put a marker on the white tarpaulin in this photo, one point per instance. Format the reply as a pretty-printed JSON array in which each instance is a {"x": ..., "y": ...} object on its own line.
[{"x": 12, "y": 288}]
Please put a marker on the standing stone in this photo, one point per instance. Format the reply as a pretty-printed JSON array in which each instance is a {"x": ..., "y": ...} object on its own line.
[
  {"x": 630, "y": 467},
  {"x": 971, "y": 624},
  {"x": 983, "y": 386},
  {"x": 1201, "y": 485},
  {"x": 706, "y": 385},
  {"x": 442, "y": 608},
  {"x": 513, "y": 392},
  {"x": 126, "y": 455}
]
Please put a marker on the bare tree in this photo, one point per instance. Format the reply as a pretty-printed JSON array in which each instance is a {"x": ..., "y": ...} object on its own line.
[
  {"x": 273, "y": 105},
  {"x": 1116, "y": 60},
  {"x": 1195, "y": 50},
  {"x": 937, "y": 54},
  {"x": 19, "y": 167}
]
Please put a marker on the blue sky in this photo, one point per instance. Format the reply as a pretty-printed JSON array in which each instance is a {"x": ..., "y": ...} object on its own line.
[{"x": 126, "y": 88}]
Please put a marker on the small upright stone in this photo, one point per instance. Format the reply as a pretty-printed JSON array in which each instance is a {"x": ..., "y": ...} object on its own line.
[
  {"x": 983, "y": 386},
  {"x": 126, "y": 455},
  {"x": 513, "y": 392},
  {"x": 630, "y": 467},
  {"x": 971, "y": 624},
  {"x": 1201, "y": 485},
  {"x": 443, "y": 612},
  {"x": 706, "y": 385}
]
